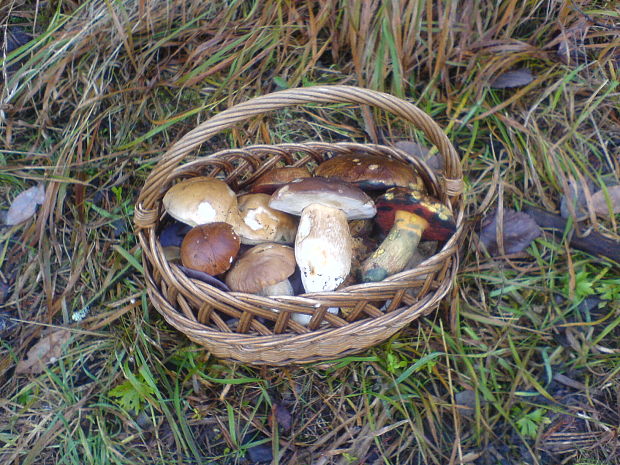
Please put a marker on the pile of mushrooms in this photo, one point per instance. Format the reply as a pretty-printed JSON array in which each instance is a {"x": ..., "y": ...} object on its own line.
[{"x": 291, "y": 222}]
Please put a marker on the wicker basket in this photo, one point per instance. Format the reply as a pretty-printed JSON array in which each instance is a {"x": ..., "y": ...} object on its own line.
[{"x": 264, "y": 333}]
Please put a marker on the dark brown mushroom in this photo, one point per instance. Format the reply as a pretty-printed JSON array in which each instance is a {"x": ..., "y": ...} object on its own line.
[
  {"x": 370, "y": 172},
  {"x": 210, "y": 248},
  {"x": 273, "y": 179}
]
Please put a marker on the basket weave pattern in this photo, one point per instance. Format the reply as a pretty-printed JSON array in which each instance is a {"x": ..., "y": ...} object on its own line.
[{"x": 262, "y": 331}]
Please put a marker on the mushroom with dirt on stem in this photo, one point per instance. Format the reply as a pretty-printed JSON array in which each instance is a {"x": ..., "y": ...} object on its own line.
[
  {"x": 412, "y": 216},
  {"x": 323, "y": 247}
]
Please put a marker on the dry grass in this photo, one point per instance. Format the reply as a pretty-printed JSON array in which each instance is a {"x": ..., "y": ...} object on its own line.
[{"x": 90, "y": 102}]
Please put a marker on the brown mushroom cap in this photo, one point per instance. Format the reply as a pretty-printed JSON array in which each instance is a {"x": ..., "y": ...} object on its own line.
[
  {"x": 297, "y": 195},
  {"x": 439, "y": 217},
  {"x": 261, "y": 223},
  {"x": 201, "y": 200},
  {"x": 272, "y": 180},
  {"x": 370, "y": 172},
  {"x": 261, "y": 266},
  {"x": 210, "y": 248}
]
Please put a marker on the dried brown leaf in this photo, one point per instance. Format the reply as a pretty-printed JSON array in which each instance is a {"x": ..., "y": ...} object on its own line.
[
  {"x": 467, "y": 400},
  {"x": 519, "y": 230},
  {"x": 413, "y": 149},
  {"x": 25, "y": 205},
  {"x": 515, "y": 78},
  {"x": 576, "y": 198},
  {"x": 283, "y": 416},
  {"x": 46, "y": 351},
  {"x": 599, "y": 201}
]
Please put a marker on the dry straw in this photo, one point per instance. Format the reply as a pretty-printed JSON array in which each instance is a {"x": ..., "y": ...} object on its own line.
[{"x": 263, "y": 332}]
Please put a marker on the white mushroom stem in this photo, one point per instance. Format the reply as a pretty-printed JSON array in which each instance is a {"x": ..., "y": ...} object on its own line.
[
  {"x": 323, "y": 248},
  {"x": 281, "y": 288}
]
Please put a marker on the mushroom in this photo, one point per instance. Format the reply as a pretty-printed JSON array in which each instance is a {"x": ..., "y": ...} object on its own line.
[
  {"x": 272, "y": 180},
  {"x": 202, "y": 200},
  {"x": 323, "y": 242},
  {"x": 405, "y": 199},
  {"x": 264, "y": 270},
  {"x": 210, "y": 248},
  {"x": 370, "y": 172},
  {"x": 416, "y": 216},
  {"x": 261, "y": 223}
]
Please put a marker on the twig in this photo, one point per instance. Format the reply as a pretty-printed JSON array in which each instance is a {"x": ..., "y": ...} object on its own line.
[{"x": 593, "y": 243}]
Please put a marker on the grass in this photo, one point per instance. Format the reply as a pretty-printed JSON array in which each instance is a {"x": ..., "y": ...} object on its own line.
[{"x": 520, "y": 366}]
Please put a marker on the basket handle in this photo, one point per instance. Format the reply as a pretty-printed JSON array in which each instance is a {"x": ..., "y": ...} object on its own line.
[{"x": 298, "y": 96}]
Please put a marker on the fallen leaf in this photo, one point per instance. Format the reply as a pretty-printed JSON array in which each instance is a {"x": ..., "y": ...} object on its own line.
[
  {"x": 15, "y": 37},
  {"x": 173, "y": 234},
  {"x": 435, "y": 162},
  {"x": 412, "y": 148},
  {"x": 261, "y": 453},
  {"x": 519, "y": 230},
  {"x": 516, "y": 78},
  {"x": 599, "y": 201},
  {"x": 47, "y": 350},
  {"x": 4, "y": 290},
  {"x": 571, "y": 48},
  {"x": 467, "y": 400},
  {"x": 577, "y": 198},
  {"x": 25, "y": 205},
  {"x": 283, "y": 416}
]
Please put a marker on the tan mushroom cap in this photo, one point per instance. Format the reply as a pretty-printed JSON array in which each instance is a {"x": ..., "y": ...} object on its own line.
[
  {"x": 297, "y": 195},
  {"x": 261, "y": 223},
  {"x": 202, "y": 200},
  {"x": 261, "y": 266}
]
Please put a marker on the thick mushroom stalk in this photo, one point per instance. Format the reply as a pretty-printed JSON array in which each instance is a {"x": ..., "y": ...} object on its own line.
[
  {"x": 323, "y": 248},
  {"x": 397, "y": 248},
  {"x": 415, "y": 216}
]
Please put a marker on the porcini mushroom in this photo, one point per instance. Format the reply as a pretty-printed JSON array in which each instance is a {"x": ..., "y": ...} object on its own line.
[
  {"x": 273, "y": 179},
  {"x": 202, "y": 200},
  {"x": 264, "y": 270},
  {"x": 210, "y": 248},
  {"x": 323, "y": 242},
  {"x": 370, "y": 172},
  {"x": 415, "y": 216},
  {"x": 261, "y": 223}
]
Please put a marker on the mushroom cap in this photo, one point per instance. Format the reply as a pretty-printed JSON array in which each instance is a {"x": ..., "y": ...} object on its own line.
[
  {"x": 261, "y": 223},
  {"x": 273, "y": 179},
  {"x": 297, "y": 195},
  {"x": 210, "y": 248},
  {"x": 201, "y": 200},
  {"x": 261, "y": 266},
  {"x": 440, "y": 220},
  {"x": 371, "y": 172}
]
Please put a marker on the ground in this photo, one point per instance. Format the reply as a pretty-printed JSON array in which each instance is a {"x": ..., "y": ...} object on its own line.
[{"x": 519, "y": 365}]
